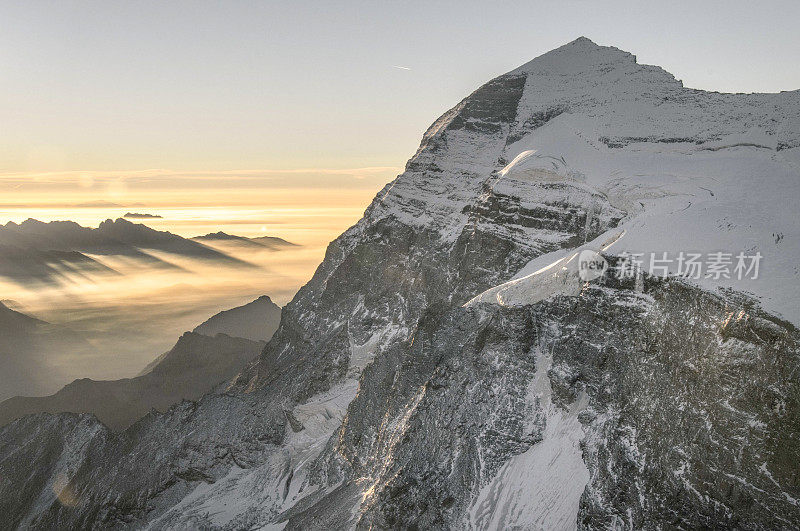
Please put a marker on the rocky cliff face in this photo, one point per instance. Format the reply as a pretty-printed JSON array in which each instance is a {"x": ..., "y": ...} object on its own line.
[{"x": 435, "y": 374}]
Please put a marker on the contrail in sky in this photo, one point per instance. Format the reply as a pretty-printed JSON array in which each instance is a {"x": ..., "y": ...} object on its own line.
[{"x": 401, "y": 67}]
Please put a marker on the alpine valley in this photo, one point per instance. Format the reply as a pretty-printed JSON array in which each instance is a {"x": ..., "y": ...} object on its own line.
[{"x": 447, "y": 368}]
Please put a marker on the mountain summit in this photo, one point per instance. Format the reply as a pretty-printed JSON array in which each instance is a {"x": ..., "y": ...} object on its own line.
[
  {"x": 448, "y": 367},
  {"x": 580, "y": 57}
]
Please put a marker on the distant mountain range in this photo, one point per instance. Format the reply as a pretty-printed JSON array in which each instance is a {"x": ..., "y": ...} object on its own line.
[
  {"x": 46, "y": 252},
  {"x": 271, "y": 242},
  {"x": 137, "y": 215},
  {"x": 198, "y": 362},
  {"x": 111, "y": 237}
]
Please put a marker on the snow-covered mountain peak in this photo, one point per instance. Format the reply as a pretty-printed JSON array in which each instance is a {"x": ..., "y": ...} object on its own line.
[
  {"x": 583, "y": 59},
  {"x": 387, "y": 400},
  {"x": 576, "y": 56},
  {"x": 587, "y": 128}
]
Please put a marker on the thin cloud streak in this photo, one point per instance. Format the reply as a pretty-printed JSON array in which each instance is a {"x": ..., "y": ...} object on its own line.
[{"x": 79, "y": 175}]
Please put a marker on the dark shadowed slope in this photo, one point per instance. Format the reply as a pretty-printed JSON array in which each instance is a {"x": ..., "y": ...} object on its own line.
[
  {"x": 25, "y": 345},
  {"x": 193, "y": 367},
  {"x": 213, "y": 353},
  {"x": 257, "y": 321}
]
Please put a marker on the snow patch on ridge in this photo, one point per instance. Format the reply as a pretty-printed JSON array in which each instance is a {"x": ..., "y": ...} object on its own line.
[{"x": 559, "y": 277}]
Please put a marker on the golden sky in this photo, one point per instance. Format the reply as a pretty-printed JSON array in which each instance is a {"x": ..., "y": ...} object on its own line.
[
  {"x": 113, "y": 86},
  {"x": 307, "y": 206}
]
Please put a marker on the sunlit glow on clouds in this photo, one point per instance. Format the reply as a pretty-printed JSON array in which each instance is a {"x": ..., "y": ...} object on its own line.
[
  {"x": 133, "y": 317},
  {"x": 309, "y": 205}
]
